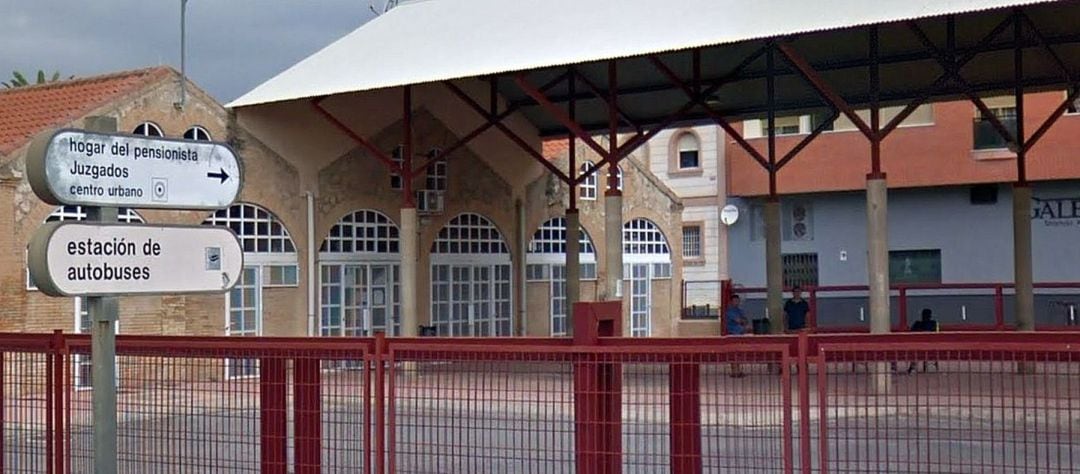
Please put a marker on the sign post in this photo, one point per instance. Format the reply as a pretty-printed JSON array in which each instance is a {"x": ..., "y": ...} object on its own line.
[{"x": 100, "y": 259}]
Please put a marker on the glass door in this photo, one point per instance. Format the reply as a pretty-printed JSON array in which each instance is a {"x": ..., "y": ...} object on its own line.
[
  {"x": 355, "y": 304},
  {"x": 558, "y": 300},
  {"x": 640, "y": 318},
  {"x": 245, "y": 318}
]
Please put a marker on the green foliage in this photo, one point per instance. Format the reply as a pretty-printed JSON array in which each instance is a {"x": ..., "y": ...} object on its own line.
[{"x": 19, "y": 80}]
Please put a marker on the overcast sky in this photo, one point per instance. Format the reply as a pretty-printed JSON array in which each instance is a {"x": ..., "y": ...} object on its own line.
[{"x": 233, "y": 45}]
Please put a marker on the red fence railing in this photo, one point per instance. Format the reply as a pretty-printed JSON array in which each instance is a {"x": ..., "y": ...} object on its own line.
[
  {"x": 927, "y": 402},
  {"x": 991, "y": 312}
]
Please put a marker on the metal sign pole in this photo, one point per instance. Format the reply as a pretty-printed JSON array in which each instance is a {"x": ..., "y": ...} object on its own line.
[{"x": 103, "y": 313}]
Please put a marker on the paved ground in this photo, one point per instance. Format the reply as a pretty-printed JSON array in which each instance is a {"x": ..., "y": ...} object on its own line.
[{"x": 472, "y": 421}]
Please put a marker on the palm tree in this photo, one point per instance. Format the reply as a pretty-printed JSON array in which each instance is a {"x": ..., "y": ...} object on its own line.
[{"x": 19, "y": 80}]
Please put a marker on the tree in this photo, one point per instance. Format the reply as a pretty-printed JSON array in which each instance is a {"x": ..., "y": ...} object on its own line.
[{"x": 19, "y": 80}]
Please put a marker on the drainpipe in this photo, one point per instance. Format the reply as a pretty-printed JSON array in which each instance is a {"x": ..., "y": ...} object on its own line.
[{"x": 311, "y": 263}]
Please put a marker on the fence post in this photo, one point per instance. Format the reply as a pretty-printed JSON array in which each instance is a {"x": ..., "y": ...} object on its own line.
[
  {"x": 307, "y": 422},
  {"x": 54, "y": 404},
  {"x": 597, "y": 391},
  {"x": 823, "y": 411},
  {"x": 804, "y": 403},
  {"x": 685, "y": 415},
  {"x": 902, "y": 309},
  {"x": 999, "y": 308},
  {"x": 273, "y": 419},
  {"x": 381, "y": 395}
]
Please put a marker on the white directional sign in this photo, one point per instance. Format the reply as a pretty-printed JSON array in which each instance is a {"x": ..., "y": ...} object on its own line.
[
  {"x": 100, "y": 169},
  {"x": 84, "y": 259}
]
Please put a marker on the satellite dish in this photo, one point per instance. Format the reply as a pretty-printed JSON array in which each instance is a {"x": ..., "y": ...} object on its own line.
[{"x": 729, "y": 214}]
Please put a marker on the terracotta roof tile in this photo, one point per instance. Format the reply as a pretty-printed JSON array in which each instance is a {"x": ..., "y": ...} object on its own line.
[
  {"x": 26, "y": 111},
  {"x": 555, "y": 147}
]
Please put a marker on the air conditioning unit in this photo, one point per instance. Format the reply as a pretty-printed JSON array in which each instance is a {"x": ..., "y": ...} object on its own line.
[{"x": 429, "y": 201}]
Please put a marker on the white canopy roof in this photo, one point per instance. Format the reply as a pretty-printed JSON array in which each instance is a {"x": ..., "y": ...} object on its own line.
[{"x": 433, "y": 40}]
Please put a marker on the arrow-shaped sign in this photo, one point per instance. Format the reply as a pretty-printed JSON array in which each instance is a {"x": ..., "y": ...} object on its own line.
[{"x": 222, "y": 175}]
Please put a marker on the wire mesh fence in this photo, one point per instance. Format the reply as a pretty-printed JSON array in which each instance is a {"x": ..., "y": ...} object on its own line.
[{"x": 975, "y": 402}]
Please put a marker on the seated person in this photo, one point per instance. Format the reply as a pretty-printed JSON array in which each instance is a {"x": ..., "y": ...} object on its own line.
[
  {"x": 925, "y": 323},
  {"x": 734, "y": 319}
]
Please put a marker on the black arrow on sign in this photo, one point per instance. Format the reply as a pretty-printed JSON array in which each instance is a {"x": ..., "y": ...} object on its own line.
[{"x": 221, "y": 175}]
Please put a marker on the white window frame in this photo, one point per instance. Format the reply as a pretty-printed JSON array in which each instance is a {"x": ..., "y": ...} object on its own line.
[
  {"x": 587, "y": 190},
  {"x": 397, "y": 155},
  {"x": 146, "y": 128},
  {"x": 359, "y": 221},
  {"x": 681, "y": 146},
  {"x": 491, "y": 252},
  {"x": 699, "y": 230},
  {"x": 195, "y": 131}
]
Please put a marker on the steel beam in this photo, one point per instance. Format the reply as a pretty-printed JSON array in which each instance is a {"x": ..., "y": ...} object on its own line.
[{"x": 513, "y": 136}]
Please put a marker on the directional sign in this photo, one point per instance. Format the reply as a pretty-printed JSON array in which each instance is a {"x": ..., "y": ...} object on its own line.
[
  {"x": 100, "y": 169},
  {"x": 83, "y": 259}
]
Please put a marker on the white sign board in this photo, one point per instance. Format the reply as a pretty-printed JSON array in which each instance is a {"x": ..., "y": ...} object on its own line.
[
  {"x": 99, "y": 259},
  {"x": 100, "y": 169},
  {"x": 729, "y": 214}
]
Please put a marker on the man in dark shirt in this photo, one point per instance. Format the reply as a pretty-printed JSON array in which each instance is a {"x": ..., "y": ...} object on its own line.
[{"x": 795, "y": 311}]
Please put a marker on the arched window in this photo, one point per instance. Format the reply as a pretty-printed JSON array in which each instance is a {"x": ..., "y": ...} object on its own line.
[
  {"x": 259, "y": 231},
  {"x": 81, "y": 362},
  {"x": 197, "y": 133},
  {"x": 618, "y": 178},
  {"x": 364, "y": 231},
  {"x": 471, "y": 281},
  {"x": 77, "y": 213},
  {"x": 587, "y": 188},
  {"x": 642, "y": 237},
  {"x": 469, "y": 234},
  {"x": 546, "y": 262},
  {"x": 149, "y": 129},
  {"x": 269, "y": 261},
  {"x": 646, "y": 257},
  {"x": 359, "y": 276},
  {"x": 687, "y": 151}
]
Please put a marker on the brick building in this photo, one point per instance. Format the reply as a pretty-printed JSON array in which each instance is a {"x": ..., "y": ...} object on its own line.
[{"x": 330, "y": 212}]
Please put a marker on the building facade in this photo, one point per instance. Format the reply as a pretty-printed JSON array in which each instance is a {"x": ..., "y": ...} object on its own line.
[{"x": 950, "y": 212}]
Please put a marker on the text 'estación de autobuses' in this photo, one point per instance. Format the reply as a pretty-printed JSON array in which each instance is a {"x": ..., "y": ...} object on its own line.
[{"x": 103, "y": 271}]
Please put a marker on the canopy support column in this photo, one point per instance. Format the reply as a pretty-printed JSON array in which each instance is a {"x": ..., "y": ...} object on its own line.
[
  {"x": 573, "y": 225},
  {"x": 613, "y": 209},
  {"x": 877, "y": 205},
  {"x": 1023, "y": 277},
  {"x": 410, "y": 320}
]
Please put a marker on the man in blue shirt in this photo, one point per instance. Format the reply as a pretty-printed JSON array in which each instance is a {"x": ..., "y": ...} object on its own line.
[
  {"x": 734, "y": 319},
  {"x": 795, "y": 311}
]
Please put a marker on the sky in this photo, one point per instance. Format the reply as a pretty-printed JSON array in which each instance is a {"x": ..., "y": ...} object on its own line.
[{"x": 233, "y": 45}]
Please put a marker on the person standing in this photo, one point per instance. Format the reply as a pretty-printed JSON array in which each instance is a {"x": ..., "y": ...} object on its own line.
[{"x": 795, "y": 311}]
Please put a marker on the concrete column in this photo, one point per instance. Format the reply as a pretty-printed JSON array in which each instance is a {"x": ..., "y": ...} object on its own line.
[
  {"x": 877, "y": 235},
  {"x": 1024, "y": 279},
  {"x": 410, "y": 320},
  {"x": 774, "y": 267},
  {"x": 613, "y": 249},
  {"x": 573, "y": 266},
  {"x": 519, "y": 290}
]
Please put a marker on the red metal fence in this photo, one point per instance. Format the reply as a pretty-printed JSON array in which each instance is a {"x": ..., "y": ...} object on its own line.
[
  {"x": 931, "y": 402},
  {"x": 988, "y": 305}
]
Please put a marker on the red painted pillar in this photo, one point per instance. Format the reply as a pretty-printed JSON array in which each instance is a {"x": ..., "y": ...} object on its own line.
[
  {"x": 999, "y": 308},
  {"x": 54, "y": 404},
  {"x": 804, "y": 403},
  {"x": 273, "y": 419},
  {"x": 902, "y": 303},
  {"x": 597, "y": 391},
  {"x": 307, "y": 399},
  {"x": 685, "y": 415}
]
